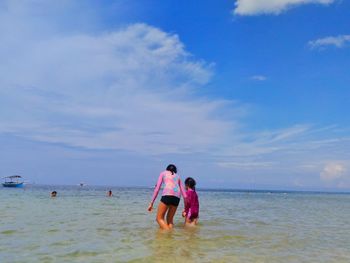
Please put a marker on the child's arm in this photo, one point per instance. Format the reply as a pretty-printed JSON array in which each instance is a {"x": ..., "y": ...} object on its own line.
[
  {"x": 187, "y": 203},
  {"x": 156, "y": 190}
]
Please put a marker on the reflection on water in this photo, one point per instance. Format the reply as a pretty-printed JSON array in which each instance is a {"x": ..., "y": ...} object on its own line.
[
  {"x": 176, "y": 245},
  {"x": 83, "y": 225}
]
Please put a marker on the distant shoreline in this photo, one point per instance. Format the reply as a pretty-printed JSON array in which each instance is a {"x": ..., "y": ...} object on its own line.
[{"x": 204, "y": 189}]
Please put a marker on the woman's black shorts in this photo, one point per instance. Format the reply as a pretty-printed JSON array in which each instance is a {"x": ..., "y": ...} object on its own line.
[{"x": 170, "y": 200}]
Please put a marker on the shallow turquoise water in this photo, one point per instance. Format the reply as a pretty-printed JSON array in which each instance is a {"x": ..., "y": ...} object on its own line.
[{"x": 83, "y": 225}]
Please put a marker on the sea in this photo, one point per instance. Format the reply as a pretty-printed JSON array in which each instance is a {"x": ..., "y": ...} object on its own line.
[{"x": 82, "y": 224}]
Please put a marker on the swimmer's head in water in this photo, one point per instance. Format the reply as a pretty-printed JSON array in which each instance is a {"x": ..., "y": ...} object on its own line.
[
  {"x": 172, "y": 168},
  {"x": 190, "y": 183},
  {"x": 53, "y": 193}
]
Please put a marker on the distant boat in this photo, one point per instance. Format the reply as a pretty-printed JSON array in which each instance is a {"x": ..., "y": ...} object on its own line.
[
  {"x": 13, "y": 181},
  {"x": 81, "y": 184}
]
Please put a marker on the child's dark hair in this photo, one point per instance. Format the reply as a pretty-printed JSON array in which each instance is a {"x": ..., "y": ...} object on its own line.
[
  {"x": 191, "y": 183},
  {"x": 172, "y": 168}
]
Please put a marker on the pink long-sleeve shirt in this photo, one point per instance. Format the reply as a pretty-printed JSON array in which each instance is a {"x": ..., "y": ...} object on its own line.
[
  {"x": 172, "y": 185},
  {"x": 192, "y": 204}
]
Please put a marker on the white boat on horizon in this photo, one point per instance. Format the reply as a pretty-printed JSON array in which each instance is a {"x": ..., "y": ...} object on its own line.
[{"x": 13, "y": 181}]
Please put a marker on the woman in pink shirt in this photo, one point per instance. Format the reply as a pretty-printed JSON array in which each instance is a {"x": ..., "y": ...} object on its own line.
[{"x": 170, "y": 200}]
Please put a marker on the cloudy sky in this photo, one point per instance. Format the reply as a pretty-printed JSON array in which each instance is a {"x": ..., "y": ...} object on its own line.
[{"x": 237, "y": 93}]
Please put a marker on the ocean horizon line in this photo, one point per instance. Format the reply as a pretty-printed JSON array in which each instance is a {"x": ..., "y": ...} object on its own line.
[{"x": 206, "y": 189}]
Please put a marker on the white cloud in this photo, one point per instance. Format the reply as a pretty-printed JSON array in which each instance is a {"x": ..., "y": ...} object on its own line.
[
  {"x": 259, "y": 77},
  {"x": 134, "y": 88},
  {"x": 246, "y": 165},
  {"x": 257, "y": 7},
  {"x": 131, "y": 89},
  {"x": 332, "y": 171},
  {"x": 335, "y": 41}
]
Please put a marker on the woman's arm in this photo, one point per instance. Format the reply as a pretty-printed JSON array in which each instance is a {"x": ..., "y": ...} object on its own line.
[
  {"x": 183, "y": 193},
  {"x": 157, "y": 188},
  {"x": 182, "y": 190},
  {"x": 156, "y": 191}
]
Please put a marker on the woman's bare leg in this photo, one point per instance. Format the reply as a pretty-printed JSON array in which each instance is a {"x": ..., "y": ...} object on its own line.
[
  {"x": 162, "y": 208},
  {"x": 170, "y": 215}
]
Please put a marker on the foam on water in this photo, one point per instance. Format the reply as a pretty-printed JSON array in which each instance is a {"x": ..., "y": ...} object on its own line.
[{"x": 83, "y": 225}]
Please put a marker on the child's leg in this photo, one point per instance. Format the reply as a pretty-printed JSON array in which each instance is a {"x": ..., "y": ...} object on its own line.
[
  {"x": 162, "y": 208},
  {"x": 191, "y": 222},
  {"x": 170, "y": 215},
  {"x": 188, "y": 221}
]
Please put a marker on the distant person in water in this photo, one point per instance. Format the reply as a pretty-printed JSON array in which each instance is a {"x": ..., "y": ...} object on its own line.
[
  {"x": 191, "y": 211},
  {"x": 53, "y": 194},
  {"x": 169, "y": 202},
  {"x": 109, "y": 193}
]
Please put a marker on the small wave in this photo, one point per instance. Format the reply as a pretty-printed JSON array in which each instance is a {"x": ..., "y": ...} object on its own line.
[
  {"x": 52, "y": 230},
  {"x": 8, "y": 232},
  {"x": 79, "y": 253}
]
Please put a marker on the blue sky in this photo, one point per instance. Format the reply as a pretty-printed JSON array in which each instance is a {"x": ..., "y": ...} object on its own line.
[{"x": 238, "y": 94}]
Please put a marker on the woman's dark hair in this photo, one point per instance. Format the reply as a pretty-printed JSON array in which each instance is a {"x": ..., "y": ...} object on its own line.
[
  {"x": 191, "y": 183},
  {"x": 172, "y": 168}
]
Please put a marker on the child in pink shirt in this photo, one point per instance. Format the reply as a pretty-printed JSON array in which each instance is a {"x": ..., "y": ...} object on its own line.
[{"x": 191, "y": 211}]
